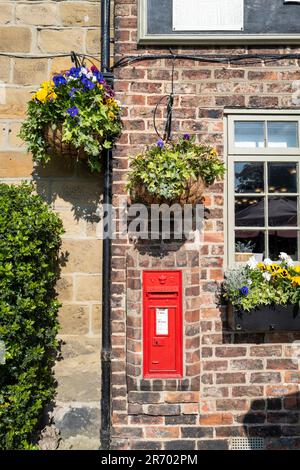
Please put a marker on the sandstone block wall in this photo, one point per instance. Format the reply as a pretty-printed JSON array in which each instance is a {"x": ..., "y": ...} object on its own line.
[{"x": 47, "y": 28}]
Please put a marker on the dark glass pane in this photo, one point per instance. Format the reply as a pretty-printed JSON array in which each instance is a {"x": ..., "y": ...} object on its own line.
[
  {"x": 249, "y": 177},
  {"x": 283, "y": 240},
  {"x": 249, "y": 134},
  {"x": 249, "y": 212},
  {"x": 282, "y": 177},
  {"x": 282, "y": 211},
  {"x": 282, "y": 134},
  {"x": 249, "y": 243}
]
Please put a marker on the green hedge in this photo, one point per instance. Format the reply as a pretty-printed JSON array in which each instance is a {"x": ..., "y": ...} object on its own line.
[{"x": 30, "y": 237}]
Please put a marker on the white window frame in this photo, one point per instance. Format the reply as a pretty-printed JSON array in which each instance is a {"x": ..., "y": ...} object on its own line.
[
  {"x": 210, "y": 39},
  {"x": 234, "y": 154}
]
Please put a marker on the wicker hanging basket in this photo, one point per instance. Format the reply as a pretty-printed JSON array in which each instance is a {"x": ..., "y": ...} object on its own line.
[
  {"x": 193, "y": 194},
  {"x": 58, "y": 147}
]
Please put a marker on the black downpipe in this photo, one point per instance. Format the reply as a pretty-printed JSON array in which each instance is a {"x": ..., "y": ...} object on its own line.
[{"x": 106, "y": 263}]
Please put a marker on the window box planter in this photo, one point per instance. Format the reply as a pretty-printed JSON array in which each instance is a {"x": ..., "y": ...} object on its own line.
[{"x": 265, "y": 318}]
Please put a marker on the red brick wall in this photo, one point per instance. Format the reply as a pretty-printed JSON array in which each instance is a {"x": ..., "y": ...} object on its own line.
[{"x": 241, "y": 375}]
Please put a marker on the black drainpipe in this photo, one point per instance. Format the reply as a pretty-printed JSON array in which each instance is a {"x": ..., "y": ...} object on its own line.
[{"x": 106, "y": 263}]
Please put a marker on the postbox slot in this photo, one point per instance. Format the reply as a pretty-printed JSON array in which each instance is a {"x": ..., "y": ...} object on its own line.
[{"x": 162, "y": 324}]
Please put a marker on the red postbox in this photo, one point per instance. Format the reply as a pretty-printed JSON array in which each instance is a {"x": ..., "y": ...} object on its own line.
[{"x": 162, "y": 324}]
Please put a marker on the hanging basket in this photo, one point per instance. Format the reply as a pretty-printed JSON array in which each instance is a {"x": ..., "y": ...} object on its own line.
[
  {"x": 58, "y": 147},
  {"x": 193, "y": 194}
]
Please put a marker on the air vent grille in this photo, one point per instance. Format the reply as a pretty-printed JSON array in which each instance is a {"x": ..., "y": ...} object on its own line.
[{"x": 246, "y": 443}]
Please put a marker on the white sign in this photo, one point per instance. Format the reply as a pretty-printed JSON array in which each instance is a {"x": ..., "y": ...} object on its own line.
[
  {"x": 208, "y": 15},
  {"x": 162, "y": 321}
]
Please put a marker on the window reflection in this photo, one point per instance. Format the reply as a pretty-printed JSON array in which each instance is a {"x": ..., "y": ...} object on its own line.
[
  {"x": 283, "y": 211},
  {"x": 282, "y": 177},
  {"x": 249, "y": 177},
  {"x": 249, "y": 243},
  {"x": 249, "y": 212},
  {"x": 249, "y": 134},
  {"x": 283, "y": 240},
  {"x": 282, "y": 134}
]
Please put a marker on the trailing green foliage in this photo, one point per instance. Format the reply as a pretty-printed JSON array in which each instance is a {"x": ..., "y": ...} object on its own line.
[
  {"x": 166, "y": 168},
  {"x": 29, "y": 243}
]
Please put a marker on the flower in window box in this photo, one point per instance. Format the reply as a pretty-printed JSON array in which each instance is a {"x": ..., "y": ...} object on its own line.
[{"x": 74, "y": 115}]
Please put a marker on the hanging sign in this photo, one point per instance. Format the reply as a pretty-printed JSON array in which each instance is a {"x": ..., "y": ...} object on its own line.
[
  {"x": 162, "y": 321},
  {"x": 208, "y": 15}
]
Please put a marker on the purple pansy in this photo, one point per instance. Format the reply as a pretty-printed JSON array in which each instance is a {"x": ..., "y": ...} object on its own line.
[
  {"x": 160, "y": 143},
  {"x": 87, "y": 83},
  {"x": 244, "y": 290},
  {"x": 73, "y": 111},
  {"x": 59, "y": 80},
  {"x": 72, "y": 92},
  {"x": 74, "y": 72},
  {"x": 186, "y": 136}
]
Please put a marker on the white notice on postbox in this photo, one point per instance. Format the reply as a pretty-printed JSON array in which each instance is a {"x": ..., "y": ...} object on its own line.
[{"x": 162, "y": 322}]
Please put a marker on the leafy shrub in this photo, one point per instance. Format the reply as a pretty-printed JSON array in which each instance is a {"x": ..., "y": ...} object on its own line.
[
  {"x": 29, "y": 244},
  {"x": 166, "y": 168},
  {"x": 79, "y": 106},
  {"x": 263, "y": 283}
]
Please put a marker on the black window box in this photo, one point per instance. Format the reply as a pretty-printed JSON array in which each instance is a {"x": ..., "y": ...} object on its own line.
[{"x": 265, "y": 318}]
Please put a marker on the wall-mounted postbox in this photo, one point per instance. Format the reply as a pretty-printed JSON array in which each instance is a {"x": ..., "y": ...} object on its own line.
[{"x": 162, "y": 324}]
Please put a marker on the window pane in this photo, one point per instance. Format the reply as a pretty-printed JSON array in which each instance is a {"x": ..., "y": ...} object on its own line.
[
  {"x": 282, "y": 134},
  {"x": 249, "y": 212},
  {"x": 282, "y": 211},
  {"x": 282, "y": 177},
  {"x": 249, "y": 177},
  {"x": 283, "y": 240},
  {"x": 249, "y": 243},
  {"x": 249, "y": 134}
]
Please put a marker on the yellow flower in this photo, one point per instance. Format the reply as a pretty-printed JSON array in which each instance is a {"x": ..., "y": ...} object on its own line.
[
  {"x": 296, "y": 269},
  {"x": 296, "y": 280},
  {"x": 111, "y": 116},
  {"x": 214, "y": 153},
  {"x": 52, "y": 96},
  {"x": 41, "y": 95},
  {"x": 99, "y": 86},
  {"x": 261, "y": 266}
]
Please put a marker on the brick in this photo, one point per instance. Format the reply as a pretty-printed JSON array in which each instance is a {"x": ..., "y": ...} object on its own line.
[
  {"x": 56, "y": 40},
  {"x": 231, "y": 378},
  {"x": 181, "y": 397},
  {"x": 144, "y": 445},
  {"x": 266, "y": 351},
  {"x": 230, "y": 405},
  {"x": 15, "y": 164},
  {"x": 162, "y": 432},
  {"x": 180, "y": 444},
  {"x": 164, "y": 410},
  {"x": 96, "y": 325},
  {"x": 144, "y": 397},
  {"x": 246, "y": 364},
  {"x": 79, "y": 14},
  {"x": 292, "y": 377},
  {"x": 281, "y": 390},
  {"x": 215, "y": 444},
  {"x": 182, "y": 419},
  {"x": 214, "y": 419},
  {"x": 4, "y": 68},
  {"x": 247, "y": 391},
  {"x": 282, "y": 364},
  {"x": 196, "y": 432},
  {"x": 30, "y": 72},
  {"x": 265, "y": 377},
  {"x": 230, "y": 351},
  {"x": 15, "y": 39}
]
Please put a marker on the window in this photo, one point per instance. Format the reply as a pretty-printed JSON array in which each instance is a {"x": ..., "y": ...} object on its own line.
[{"x": 263, "y": 186}]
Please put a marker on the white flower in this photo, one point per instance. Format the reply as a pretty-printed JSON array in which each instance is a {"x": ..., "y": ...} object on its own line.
[
  {"x": 252, "y": 262},
  {"x": 283, "y": 255},
  {"x": 89, "y": 75},
  {"x": 83, "y": 71},
  {"x": 287, "y": 259},
  {"x": 267, "y": 276},
  {"x": 94, "y": 79},
  {"x": 268, "y": 261}
]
